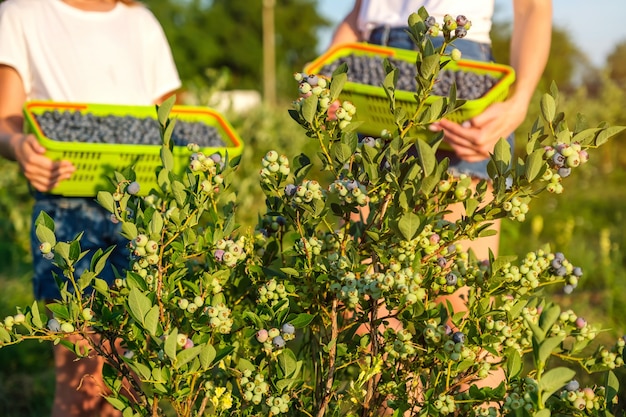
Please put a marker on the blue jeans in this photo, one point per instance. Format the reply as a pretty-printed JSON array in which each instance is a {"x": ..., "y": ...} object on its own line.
[
  {"x": 398, "y": 38},
  {"x": 72, "y": 216}
]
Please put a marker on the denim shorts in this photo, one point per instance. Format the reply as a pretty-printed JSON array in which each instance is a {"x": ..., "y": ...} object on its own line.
[
  {"x": 73, "y": 215},
  {"x": 399, "y": 38}
]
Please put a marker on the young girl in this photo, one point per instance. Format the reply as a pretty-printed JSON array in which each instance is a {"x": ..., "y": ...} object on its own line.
[{"x": 92, "y": 51}]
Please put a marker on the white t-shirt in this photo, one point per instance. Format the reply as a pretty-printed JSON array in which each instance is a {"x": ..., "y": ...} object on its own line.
[
  {"x": 66, "y": 54},
  {"x": 395, "y": 13}
]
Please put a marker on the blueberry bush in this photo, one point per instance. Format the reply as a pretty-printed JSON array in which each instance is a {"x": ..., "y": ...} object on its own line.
[{"x": 333, "y": 304}]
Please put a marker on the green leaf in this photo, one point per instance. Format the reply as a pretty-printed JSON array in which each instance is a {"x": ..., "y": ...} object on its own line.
[
  {"x": 152, "y": 320},
  {"x": 156, "y": 224},
  {"x": 408, "y": 225},
  {"x": 178, "y": 189},
  {"x": 186, "y": 355},
  {"x": 534, "y": 164},
  {"x": 163, "y": 110},
  {"x": 44, "y": 234},
  {"x": 36, "y": 315},
  {"x": 429, "y": 65},
  {"x": 547, "y": 346},
  {"x": 338, "y": 81},
  {"x": 427, "y": 158},
  {"x": 543, "y": 413},
  {"x": 167, "y": 158},
  {"x": 548, "y": 317},
  {"x": 287, "y": 362},
  {"x": 548, "y": 107},
  {"x": 341, "y": 153},
  {"x": 554, "y": 380},
  {"x": 129, "y": 230},
  {"x": 607, "y": 133},
  {"x": 138, "y": 304},
  {"x": 105, "y": 199},
  {"x": 302, "y": 320},
  {"x": 169, "y": 347},
  {"x": 513, "y": 363},
  {"x": 309, "y": 108},
  {"x": 63, "y": 250},
  {"x": 207, "y": 354},
  {"x": 4, "y": 335},
  {"x": 471, "y": 204},
  {"x": 612, "y": 386},
  {"x": 99, "y": 260},
  {"x": 290, "y": 271},
  {"x": 502, "y": 153}
]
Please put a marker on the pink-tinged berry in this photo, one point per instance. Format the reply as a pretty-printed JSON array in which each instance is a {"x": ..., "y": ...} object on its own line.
[
  {"x": 188, "y": 344},
  {"x": 262, "y": 336},
  {"x": 581, "y": 322}
]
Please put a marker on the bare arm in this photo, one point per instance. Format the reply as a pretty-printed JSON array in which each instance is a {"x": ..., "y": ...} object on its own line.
[
  {"x": 347, "y": 30},
  {"x": 43, "y": 173},
  {"x": 530, "y": 47}
]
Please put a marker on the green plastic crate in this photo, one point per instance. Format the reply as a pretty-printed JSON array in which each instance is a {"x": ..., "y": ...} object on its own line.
[
  {"x": 372, "y": 103},
  {"x": 96, "y": 162}
]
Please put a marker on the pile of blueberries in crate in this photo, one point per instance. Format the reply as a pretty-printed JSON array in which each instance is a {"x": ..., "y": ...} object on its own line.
[{"x": 74, "y": 126}]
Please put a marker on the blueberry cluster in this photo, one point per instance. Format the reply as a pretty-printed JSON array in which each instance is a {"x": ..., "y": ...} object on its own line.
[
  {"x": 536, "y": 264},
  {"x": 145, "y": 257},
  {"x": 55, "y": 325},
  {"x": 350, "y": 192},
  {"x": 522, "y": 397},
  {"x": 583, "y": 399},
  {"x": 444, "y": 404},
  {"x": 275, "y": 166},
  {"x": 230, "y": 252},
  {"x": 308, "y": 246},
  {"x": 517, "y": 208},
  {"x": 317, "y": 85},
  {"x": 15, "y": 320},
  {"x": 219, "y": 317},
  {"x": 190, "y": 306},
  {"x": 74, "y": 126},
  {"x": 404, "y": 252},
  {"x": 254, "y": 387},
  {"x": 400, "y": 344},
  {"x": 275, "y": 338},
  {"x": 278, "y": 405},
  {"x": 369, "y": 70},
  {"x": 404, "y": 284},
  {"x": 272, "y": 292},
  {"x": 305, "y": 193},
  {"x": 561, "y": 159}
]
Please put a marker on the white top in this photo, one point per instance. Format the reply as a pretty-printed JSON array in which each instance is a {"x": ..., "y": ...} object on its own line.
[
  {"x": 395, "y": 13},
  {"x": 66, "y": 54}
]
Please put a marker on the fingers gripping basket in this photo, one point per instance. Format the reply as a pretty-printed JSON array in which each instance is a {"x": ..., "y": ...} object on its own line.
[
  {"x": 95, "y": 163},
  {"x": 372, "y": 103}
]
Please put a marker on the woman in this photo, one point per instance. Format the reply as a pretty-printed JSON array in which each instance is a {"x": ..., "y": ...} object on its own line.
[{"x": 94, "y": 51}]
